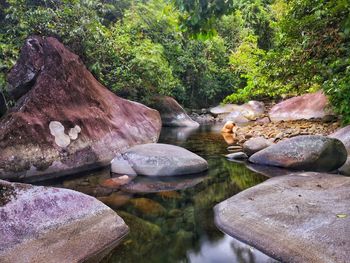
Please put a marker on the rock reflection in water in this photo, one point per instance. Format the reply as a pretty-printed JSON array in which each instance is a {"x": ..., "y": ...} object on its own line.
[
  {"x": 178, "y": 133},
  {"x": 268, "y": 171},
  {"x": 143, "y": 184},
  {"x": 175, "y": 226}
]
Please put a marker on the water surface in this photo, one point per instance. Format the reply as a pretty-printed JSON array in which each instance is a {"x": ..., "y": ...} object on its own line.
[{"x": 171, "y": 219}]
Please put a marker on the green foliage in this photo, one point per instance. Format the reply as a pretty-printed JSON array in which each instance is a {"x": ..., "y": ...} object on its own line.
[
  {"x": 309, "y": 50},
  {"x": 198, "y": 17},
  {"x": 136, "y": 48},
  {"x": 257, "y": 48}
]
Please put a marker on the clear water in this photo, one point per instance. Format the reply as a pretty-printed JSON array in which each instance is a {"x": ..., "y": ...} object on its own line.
[{"x": 172, "y": 219}]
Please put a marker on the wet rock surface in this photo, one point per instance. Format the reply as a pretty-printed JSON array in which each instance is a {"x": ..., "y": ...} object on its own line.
[
  {"x": 309, "y": 152},
  {"x": 35, "y": 221},
  {"x": 156, "y": 159},
  {"x": 55, "y": 87},
  {"x": 171, "y": 112},
  {"x": 306, "y": 219},
  {"x": 308, "y": 106}
]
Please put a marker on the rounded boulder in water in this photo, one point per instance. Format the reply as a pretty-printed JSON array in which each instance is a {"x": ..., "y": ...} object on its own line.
[{"x": 156, "y": 159}]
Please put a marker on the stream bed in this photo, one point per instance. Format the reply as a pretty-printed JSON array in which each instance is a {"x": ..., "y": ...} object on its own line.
[{"x": 171, "y": 219}]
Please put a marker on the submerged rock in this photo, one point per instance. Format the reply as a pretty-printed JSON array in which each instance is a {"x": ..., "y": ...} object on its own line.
[
  {"x": 148, "y": 206},
  {"x": 255, "y": 144},
  {"x": 44, "y": 224},
  {"x": 66, "y": 121},
  {"x": 306, "y": 219},
  {"x": 171, "y": 112},
  {"x": 308, "y": 106},
  {"x": 237, "y": 156},
  {"x": 156, "y": 159},
  {"x": 309, "y": 152}
]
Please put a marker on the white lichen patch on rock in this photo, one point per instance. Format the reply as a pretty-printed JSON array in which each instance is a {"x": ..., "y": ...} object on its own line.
[
  {"x": 74, "y": 132},
  {"x": 62, "y": 139}
]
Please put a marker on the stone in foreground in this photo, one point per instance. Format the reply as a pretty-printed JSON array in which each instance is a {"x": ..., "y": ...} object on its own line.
[
  {"x": 156, "y": 159},
  {"x": 45, "y": 224},
  {"x": 294, "y": 218},
  {"x": 65, "y": 121},
  {"x": 171, "y": 112},
  {"x": 309, "y": 152},
  {"x": 308, "y": 106}
]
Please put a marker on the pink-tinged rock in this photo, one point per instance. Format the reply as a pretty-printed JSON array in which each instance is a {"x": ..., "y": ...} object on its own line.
[
  {"x": 59, "y": 94},
  {"x": 45, "y": 224},
  {"x": 308, "y": 106}
]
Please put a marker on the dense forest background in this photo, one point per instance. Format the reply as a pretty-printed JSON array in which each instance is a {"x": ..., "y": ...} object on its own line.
[{"x": 200, "y": 52}]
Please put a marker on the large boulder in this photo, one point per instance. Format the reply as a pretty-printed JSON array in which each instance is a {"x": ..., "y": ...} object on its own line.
[
  {"x": 3, "y": 105},
  {"x": 293, "y": 218},
  {"x": 309, "y": 152},
  {"x": 67, "y": 121},
  {"x": 156, "y": 159},
  {"x": 44, "y": 224},
  {"x": 308, "y": 106},
  {"x": 171, "y": 112}
]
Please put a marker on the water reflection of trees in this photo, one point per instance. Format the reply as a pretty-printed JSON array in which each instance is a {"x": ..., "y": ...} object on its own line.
[{"x": 188, "y": 218}]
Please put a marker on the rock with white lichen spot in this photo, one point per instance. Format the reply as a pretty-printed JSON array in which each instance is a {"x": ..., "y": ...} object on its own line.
[{"x": 64, "y": 120}]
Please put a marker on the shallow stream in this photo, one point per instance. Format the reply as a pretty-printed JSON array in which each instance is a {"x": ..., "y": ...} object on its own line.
[{"x": 172, "y": 219}]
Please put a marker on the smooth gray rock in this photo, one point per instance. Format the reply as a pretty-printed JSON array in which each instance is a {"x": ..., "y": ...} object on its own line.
[
  {"x": 45, "y": 224},
  {"x": 309, "y": 152},
  {"x": 294, "y": 218},
  {"x": 256, "y": 144},
  {"x": 156, "y": 159},
  {"x": 3, "y": 105}
]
